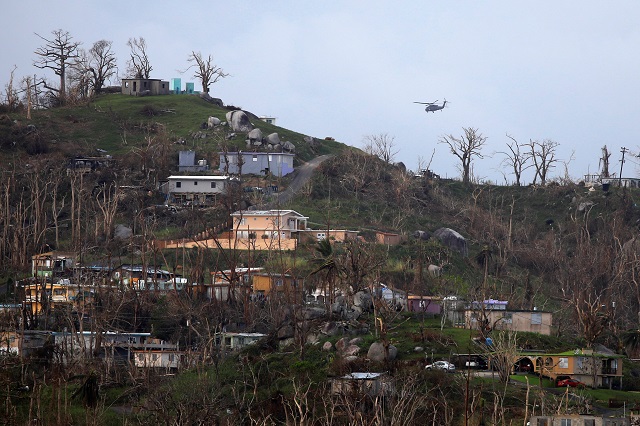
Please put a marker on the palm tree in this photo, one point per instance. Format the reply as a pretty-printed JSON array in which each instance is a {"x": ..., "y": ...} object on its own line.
[{"x": 326, "y": 263}]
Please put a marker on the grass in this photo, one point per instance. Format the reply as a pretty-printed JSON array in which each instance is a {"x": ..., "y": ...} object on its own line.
[{"x": 118, "y": 123}]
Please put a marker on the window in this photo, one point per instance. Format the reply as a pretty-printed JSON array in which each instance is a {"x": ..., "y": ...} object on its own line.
[
  {"x": 536, "y": 319},
  {"x": 563, "y": 363},
  {"x": 154, "y": 357},
  {"x": 254, "y": 158},
  {"x": 195, "y": 183},
  {"x": 171, "y": 357},
  {"x": 178, "y": 184},
  {"x": 589, "y": 422},
  {"x": 243, "y": 221},
  {"x": 507, "y": 317},
  {"x": 565, "y": 422},
  {"x": 542, "y": 422},
  {"x": 213, "y": 184},
  {"x": 126, "y": 84},
  {"x": 278, "y": 283}
]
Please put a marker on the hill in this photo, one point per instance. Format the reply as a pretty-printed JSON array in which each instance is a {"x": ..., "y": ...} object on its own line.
[{"x": 562, "y": 248}]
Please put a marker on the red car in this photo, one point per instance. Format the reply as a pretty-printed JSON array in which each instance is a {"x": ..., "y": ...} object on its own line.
[{"x": 571, "y": 383}]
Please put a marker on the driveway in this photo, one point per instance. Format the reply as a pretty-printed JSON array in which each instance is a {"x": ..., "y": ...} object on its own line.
[{"x": 300, "y": 177}]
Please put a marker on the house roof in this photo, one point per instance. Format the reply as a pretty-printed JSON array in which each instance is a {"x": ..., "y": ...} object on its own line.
[
  {"x": 362, "y": 376},
  {"x": 139, "y": 268},
  {"x": 255, "y": 153},
  {"x": 267, "y": 213},
  {"x": 198, "y": 177}
]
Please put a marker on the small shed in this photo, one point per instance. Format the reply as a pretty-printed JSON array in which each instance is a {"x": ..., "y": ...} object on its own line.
[{"x": 362, "y": 384}]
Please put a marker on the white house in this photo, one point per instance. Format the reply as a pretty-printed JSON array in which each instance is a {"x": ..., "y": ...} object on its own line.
[
  {"x": 196, "y": 190},
  {"x": 257, "y": 163},
  {"x": 155, "y": 358}
]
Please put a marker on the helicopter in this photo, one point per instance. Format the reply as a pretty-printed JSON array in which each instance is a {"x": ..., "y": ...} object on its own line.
[{"x": 432, "y": 106}]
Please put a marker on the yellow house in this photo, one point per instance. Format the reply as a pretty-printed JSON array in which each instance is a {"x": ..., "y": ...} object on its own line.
[
  {"x": 36, "y": 295},
  {"x": 264, "y": 284},
  {"x": 593, "y": 368}
]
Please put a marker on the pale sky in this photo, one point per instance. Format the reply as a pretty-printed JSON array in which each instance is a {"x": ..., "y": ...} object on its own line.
[{"x": 566, "y": 71}]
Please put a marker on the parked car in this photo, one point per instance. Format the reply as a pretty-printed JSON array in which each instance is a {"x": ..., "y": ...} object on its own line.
[
  {"x": 441, "y": 365},
  {"x": 476, "y": 363},
  {"x": 571, "y": 383}
]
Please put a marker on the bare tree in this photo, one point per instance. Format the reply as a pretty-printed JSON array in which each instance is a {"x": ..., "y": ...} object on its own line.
[
  {"x": 205, "y": 70},
  {"x": 138, "y": 65},
  {"x": 382, "y": 146},
  {"x": 515, "y": 159},
  {"x": 11, "y": 96},
  {"x": 543, "y": 155},
  {"x": 99, "y": 63},
  {"x": 604, "y": 161},
  {"x": 57, "y": 54},
  {"x": 466, "y": 147}
]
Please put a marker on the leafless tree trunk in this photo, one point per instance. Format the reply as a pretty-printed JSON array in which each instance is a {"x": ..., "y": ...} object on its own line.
[
  {"x": 11, "y": 94},
  {"x": 205, "y": 70},
  {"x": 56, "y": 55},
  {"x": 382, "y": 146},
  {"x": 138, "y": 65},
  {"x": 543, "y": 155},
  {"x": 466, "y": 148},
  {"x": 516, "y": 160}
]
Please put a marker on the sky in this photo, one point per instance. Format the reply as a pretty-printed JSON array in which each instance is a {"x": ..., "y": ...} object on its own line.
[{"x": 566, "y": 71}]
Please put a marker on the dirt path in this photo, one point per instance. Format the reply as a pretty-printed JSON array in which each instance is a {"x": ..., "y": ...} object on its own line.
[{"x": 301, "y": 176}]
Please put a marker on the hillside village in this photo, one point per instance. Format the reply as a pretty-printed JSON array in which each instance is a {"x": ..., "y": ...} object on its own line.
[{"x": 166, "y": 277}]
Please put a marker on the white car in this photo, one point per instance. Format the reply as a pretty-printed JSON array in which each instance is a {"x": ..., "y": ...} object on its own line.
[{"x": 441, "y": 365}]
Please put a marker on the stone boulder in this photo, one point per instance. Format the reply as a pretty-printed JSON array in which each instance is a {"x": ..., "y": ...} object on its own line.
[
  {"x": 311, "y": 141},
  {"x": 377, "y": 352},
  {"x": 332, "y": 329},
  {"x": 288, "y": 146},
  {"x": 213, "y": 122},
  {"x": 453, "y": 240},
  {"x": 363, "y": 300},
  {"x": 273, "y": 139},
  {"x": 239, "y": 121},
  {"x": 255, "y": 137},
  {"x": 422, "y": 235},
  {"x": 327, "y": 346},
  {"x": 122, "y": 232}
]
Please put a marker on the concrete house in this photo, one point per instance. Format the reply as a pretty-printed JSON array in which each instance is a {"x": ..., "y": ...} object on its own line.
[
  {"x": 144, "y": 86},
  {"x": 257, "y": 163},
  {"x": 227, "y": 283},
  {"x": 61, "y": 293},
  {"x": 516, "y": 320},
  {"x": 591, "y": 367},
  {"x": 265, "y": 229},
  {"x": 187, "y": 163},
  {"x": 52, "y": 263},
  {"x": 389, "y": 238},
  {"x": 265, "y": 284},
  {"x": 237, "y": 341},
  {"x": 578, "y": 420},
  {"x": 195, "y": 190}
]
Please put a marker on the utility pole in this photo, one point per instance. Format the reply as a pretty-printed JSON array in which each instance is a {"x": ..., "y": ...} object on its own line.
[{"x": 623, "y": 150}]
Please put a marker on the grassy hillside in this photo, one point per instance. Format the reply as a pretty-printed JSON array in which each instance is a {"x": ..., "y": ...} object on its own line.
[{"x": 117, "y": 123}]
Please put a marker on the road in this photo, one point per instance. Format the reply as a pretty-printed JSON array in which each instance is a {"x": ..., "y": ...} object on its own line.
[{"x": 301, "y": 176}]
